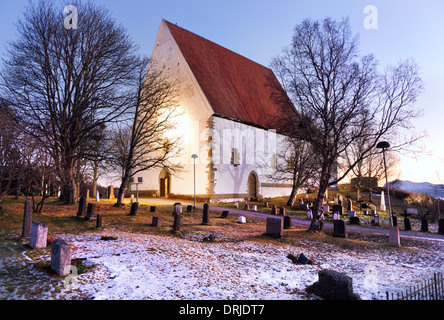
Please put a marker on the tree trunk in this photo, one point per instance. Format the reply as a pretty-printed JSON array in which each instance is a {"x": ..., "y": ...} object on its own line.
[
  {"x": 318, "y": 205},
  {"x": 294, "y": 193},
  {"x": 122, "y": 189}
]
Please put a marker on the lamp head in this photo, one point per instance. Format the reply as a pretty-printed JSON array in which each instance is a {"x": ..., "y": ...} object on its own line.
[
  {"x": 194, "y": 156},
  {"x": 383, "y": 145}
]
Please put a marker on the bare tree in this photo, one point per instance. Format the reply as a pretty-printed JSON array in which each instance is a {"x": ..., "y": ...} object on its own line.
[
  {"x": 341, "y": 97},
  {"x": 65, "y": 84},
  {"x": 145, "y": 142},
  {"x": 10, "y": 138}
]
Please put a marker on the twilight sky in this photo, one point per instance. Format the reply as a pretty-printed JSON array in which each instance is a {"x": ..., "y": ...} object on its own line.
[{"x": 258, "y": 29}]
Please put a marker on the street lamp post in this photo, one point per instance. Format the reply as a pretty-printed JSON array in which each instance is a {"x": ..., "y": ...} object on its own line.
[
  {"x": 393, "y": 230},
  {"x": 194, "y": 156},
  {"x": 383, "y": 145}
]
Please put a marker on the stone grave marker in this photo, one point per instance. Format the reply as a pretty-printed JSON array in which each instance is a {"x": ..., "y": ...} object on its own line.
[
  {"x": 134, "y": 209},
  {"x": 441, "y": 226},
  {"x": 247, "y": 204},
  {"x": 39, "y": 235},
  {"x": 274, "y": 210},
  {"x": 27, "y": 220},
  {"x": 254, "y": 208},
  {"x": 82, "y": 208},
  {"x": 335, "y": 215},
  {"x": 177, "y": 208},
  {"x": 333, "y": 285},
  {"x": 394, "y": 239},
  {"x": 354, "y": 220},
  {"x": 97, "y": 196},
  {"x": 206, "y": 214},
  {"x": 382, "y": 205},
  {"x": 282, "y": 211},
  {"x": 176, "y": 224},
  {"x": 266, "y": 204},
  {"x": 60, "y": 257},
  {"x": 424, "y": 225},
  {"x": 395, "y": 221},
  {"x": 242, "y": 219},
  {"x": 349, "y": 205},
  {"x": 287, "y": 222},
  {"x": 337, "y": 208},
  {"x": 236, "y": 205},
  {"x": 225, "y": 214},
  {"x": 90, "y": 211},
  {"x": 326, "y": 209},
  {"x": 111, "y": 192},
  {"x": 376, "y": 220},
  {"x": 157, "y": 222},
  {"x": 339, "y": 228},
  {"x": 99, "y": 221},
  {"x": 309, "y": 214},
  {"x": 351, "y": 213},
  {"x": 153, "y": 209},
  {"x": 274, "y": 227},
  {"x": 189, "y": 208},
  {"x": 407, "y": 225}
]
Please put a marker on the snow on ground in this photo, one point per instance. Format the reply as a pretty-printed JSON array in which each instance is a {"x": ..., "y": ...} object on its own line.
[{"x": 141, "y": 266}]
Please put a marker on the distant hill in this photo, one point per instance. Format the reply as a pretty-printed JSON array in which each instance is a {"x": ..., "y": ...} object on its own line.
[{"x": 434, "y": 190}]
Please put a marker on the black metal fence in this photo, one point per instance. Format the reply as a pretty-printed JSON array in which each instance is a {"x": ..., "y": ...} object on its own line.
[{"x": 431, "y": 289}]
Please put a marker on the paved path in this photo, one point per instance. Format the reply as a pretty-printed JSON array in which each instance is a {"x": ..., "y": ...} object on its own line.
[{"x": 306, "y": 222}]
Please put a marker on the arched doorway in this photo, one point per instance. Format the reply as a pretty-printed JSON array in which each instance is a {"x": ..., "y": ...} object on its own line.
[
  {"x": 253, "y": 185},
  {"x": 164, "y": 183}
]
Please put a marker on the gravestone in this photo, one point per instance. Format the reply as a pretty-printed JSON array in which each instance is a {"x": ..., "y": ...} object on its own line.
[
  {"x": 309, "y": 215},
  {"x": 225, "y": 214},
  {"x": 326, "y": 209},
  {"x": 39, "y": 235},
  {"x": 376, "y": 220},
  {"x": 236, "y": 205},
  {"x": 424, "y": 225},
  {"x": 349, "y": 205},
  {"x": 287, "y": 222},
  {"x": 364, "y": 205},
  {"x": 336, "y": 215},
  {"x": 111, "y": 192},
  {"x": 247, "y": 204},
  {"x": 99, "y": 221},
  {"x": 206, "y": 214},
  {"x": 176, "y": 224},
  {"x": 189, "y": 208},
  {"x": 90, "y": 211},
  {"x": 395, "y": 221},
  {"x": 354, "y": 220},
  {"x": 412, "y": 211},
  {"x": 82, "y": 208},
  {"x": 351, "y": 213},
  {"x": 274, "y": 210},
  {"x": 282, "y": 211},
  {"x": 153, "y": 209},
  {"x": 60, "y": 257},
  {"x": 382, "y": 205},
  {"x": 266, "y": 204},
  {"x": 254, "y": 208},
  {"x": 27, "y": 220},
  {"x": 242, "y": 219},
  {"x": 333, "y": 285},
  {"x": 157, "y": 222},
  {"x": 274, "y": 227},
  {"x": 337, "y": 208},
  {"x": 339, "y": 228},
  {"x": 407, "y": 225},
  {"x": 177, "y": 208},
  {"x": 394, "y": 239},
  {"x": 134, "y": 209},
  {"x": 441, "y": 226},
  {"x": 97, "y": 196}
]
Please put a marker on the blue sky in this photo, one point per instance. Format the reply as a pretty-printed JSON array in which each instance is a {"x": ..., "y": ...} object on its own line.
[{"x": 258, "y": 29}]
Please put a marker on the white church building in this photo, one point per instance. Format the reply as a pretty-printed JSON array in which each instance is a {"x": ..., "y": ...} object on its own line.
[{"x": 228, "y": 121}]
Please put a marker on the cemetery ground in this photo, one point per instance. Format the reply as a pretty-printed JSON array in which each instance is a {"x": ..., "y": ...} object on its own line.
[{"x": 128, "y": 258}]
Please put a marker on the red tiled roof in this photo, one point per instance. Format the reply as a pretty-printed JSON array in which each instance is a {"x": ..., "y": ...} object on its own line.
[{"x": 235, "y": 86}]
